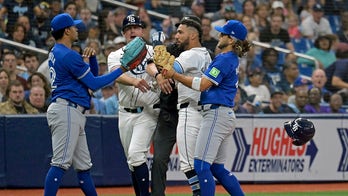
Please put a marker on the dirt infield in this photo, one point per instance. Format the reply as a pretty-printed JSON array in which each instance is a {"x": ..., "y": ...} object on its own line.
[{"x": 248, "y": 188}]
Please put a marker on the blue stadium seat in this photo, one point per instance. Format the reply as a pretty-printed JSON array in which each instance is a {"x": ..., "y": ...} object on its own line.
[
  {"x": 305, "y": 69},
  {"x": 335, "y": 22},
  {"x": 302, "y": 45}
]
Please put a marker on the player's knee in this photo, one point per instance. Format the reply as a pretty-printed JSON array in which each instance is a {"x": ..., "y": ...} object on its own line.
[
  {"x": 136, "y": 159},
  {"x": 201, "y": 166},
  {"x": 217, "y": 169}
]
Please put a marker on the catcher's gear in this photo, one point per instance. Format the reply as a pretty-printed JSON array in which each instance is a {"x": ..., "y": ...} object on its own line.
[
  {"x": 134, "y": 53},
  {"x": 163, "y": 59},
  {"x": 300, "y": 130}
]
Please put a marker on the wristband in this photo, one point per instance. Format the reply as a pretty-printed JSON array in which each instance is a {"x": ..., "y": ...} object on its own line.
[{"x": 155, "y": 76}]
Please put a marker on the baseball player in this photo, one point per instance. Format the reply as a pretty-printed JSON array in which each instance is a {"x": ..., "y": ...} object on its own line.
[
  {"x": 192, "y": 62},
  {"x": 138, "y": 108},
  {"x": 71, "y": 78},
  {"x": 218, "y": 85}
]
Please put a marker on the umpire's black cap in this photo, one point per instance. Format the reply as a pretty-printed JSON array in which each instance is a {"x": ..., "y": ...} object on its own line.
[
  {"x": 301, "y": 130},
  {"x": 132, "y": 20}
]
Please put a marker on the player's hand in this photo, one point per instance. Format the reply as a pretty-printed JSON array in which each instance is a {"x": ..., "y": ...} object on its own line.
[
  {"x": 168, "y": 73},
  {"x": 88, "y": 52},
  {"x": 164, "y": 84},
  {"x": 142, "y": 85}
]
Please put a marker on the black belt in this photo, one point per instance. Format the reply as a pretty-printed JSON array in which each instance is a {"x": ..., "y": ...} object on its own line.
[
  {"x": 184, "y": 105},
  {"x": 71, "y": 104},
  {"x": 134, "y": 110}
]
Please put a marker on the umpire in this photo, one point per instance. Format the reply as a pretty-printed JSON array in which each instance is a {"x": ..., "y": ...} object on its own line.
[{"x": 165, "y": 133}]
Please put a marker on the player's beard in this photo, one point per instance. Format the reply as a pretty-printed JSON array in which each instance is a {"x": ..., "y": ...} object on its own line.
[
  {"x": 222, "y": 45},
  {"x": 183, "y": 45}
]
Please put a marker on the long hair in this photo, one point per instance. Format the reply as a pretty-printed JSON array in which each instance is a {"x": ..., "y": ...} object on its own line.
[{"x": 242, "y": 47}]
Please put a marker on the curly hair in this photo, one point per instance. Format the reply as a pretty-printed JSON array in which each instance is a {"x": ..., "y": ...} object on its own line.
[{"x": 242, "y": 47}]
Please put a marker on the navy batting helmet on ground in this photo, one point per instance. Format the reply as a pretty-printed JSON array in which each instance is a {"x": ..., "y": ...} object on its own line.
[
  {"x": 300, "y": 130},
  {"x": 132, "y": 20}
]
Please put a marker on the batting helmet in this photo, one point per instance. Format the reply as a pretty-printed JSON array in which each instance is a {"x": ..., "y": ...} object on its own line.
[
  {"x": 300, "y": 130},
  {"x": 132, "y": 20}
]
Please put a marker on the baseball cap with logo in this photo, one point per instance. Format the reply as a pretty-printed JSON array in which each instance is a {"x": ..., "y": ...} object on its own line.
[
  {"x": 62, "y": 21},
  {"x": 318, "y": 7},
  {"x": 233, "y": 28},
  {"x": 132, "y": 20}
]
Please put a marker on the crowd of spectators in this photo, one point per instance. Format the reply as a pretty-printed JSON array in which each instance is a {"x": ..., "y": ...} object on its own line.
[{"x": 270, "y": 81}]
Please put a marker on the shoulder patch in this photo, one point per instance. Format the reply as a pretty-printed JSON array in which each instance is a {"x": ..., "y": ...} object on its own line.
[{"x": 214, "y": 72}]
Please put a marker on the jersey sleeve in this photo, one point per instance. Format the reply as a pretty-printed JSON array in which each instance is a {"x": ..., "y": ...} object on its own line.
[{"x": 77, "y": 66}]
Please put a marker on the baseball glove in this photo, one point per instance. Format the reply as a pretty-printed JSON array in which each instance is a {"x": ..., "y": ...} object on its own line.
[
  {"x": 134, "y": 53},
  {"x": 163, "y": 59}
]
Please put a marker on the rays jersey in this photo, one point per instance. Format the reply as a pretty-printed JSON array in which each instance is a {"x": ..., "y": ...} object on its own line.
[
  {"x": 128, "y": 95},
  {"x": 193, "y": 63}
]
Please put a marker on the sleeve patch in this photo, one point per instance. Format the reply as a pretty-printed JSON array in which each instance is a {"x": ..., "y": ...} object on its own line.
[{"x": 214, "y": 72}]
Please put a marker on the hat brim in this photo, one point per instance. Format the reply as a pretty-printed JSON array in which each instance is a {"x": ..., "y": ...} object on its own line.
[
  {"x": 220, "y": 29},
  {"x": 80, "y": 25}
]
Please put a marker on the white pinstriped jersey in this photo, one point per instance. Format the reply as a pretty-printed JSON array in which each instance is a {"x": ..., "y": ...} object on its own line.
[
  {"x": 129, "y": 96},
  {"x": 193, "y": 63}
]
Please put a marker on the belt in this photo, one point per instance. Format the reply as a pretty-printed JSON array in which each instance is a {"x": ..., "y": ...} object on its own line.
[
  {"x": 71, "y": 104},
  {"x": 134, "y": 110},
  {"x": 186, "y": 104},
  {"x": 140, "y": 109},
  {"x": 210, "y": 106}
]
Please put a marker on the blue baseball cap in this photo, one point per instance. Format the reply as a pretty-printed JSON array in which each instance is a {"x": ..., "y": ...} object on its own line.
[
  {"x": 64, "y": 20},
  {"x": 233, "y": 28}
]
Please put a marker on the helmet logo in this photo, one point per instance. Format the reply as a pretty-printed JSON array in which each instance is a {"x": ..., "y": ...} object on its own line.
[{"x": 296, "y": 125}]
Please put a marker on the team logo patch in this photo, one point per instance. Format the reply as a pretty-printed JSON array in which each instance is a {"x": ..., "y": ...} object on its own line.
[{"x": 214, "y": 72}]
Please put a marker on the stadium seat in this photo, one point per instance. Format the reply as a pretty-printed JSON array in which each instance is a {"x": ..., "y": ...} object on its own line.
[
  {"x": 302, "y": 45},
  {"x": 335, "y": 22}
]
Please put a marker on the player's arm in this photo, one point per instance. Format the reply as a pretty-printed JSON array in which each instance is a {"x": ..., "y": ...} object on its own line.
[
  {"x": 163, "y": 83},
  {"x": 90, "y": 53},
  {"x": 94, "y": 83},
  {"x": 196, "y": 83}
]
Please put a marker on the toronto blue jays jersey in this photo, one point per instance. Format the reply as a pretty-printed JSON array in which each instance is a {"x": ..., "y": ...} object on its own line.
[
  {"x": 66, "y": 68},
  {"x": 222, "y": 72}
]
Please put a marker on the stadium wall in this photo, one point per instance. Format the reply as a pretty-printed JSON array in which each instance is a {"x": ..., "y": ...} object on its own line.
[{"x": 260, "y": 151}]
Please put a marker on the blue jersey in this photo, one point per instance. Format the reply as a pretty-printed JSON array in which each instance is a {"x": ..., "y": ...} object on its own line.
[
  {"x": 223, "y": 73},
  {"x": 66, "y": 68}
]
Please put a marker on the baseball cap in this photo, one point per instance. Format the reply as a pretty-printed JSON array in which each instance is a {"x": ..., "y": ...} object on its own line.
[
  {"x": 132, "y": 20},
  {"x": 62, "y": 21},
  {"x": 300, "y": 81},
  {"x": 318, "y": 7},
  {"x": 277, "y": 4},
  {"x": 233, "y": 28},
  {"x": 119, "y": 40},
  {"x": 276, "y": 91}
]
